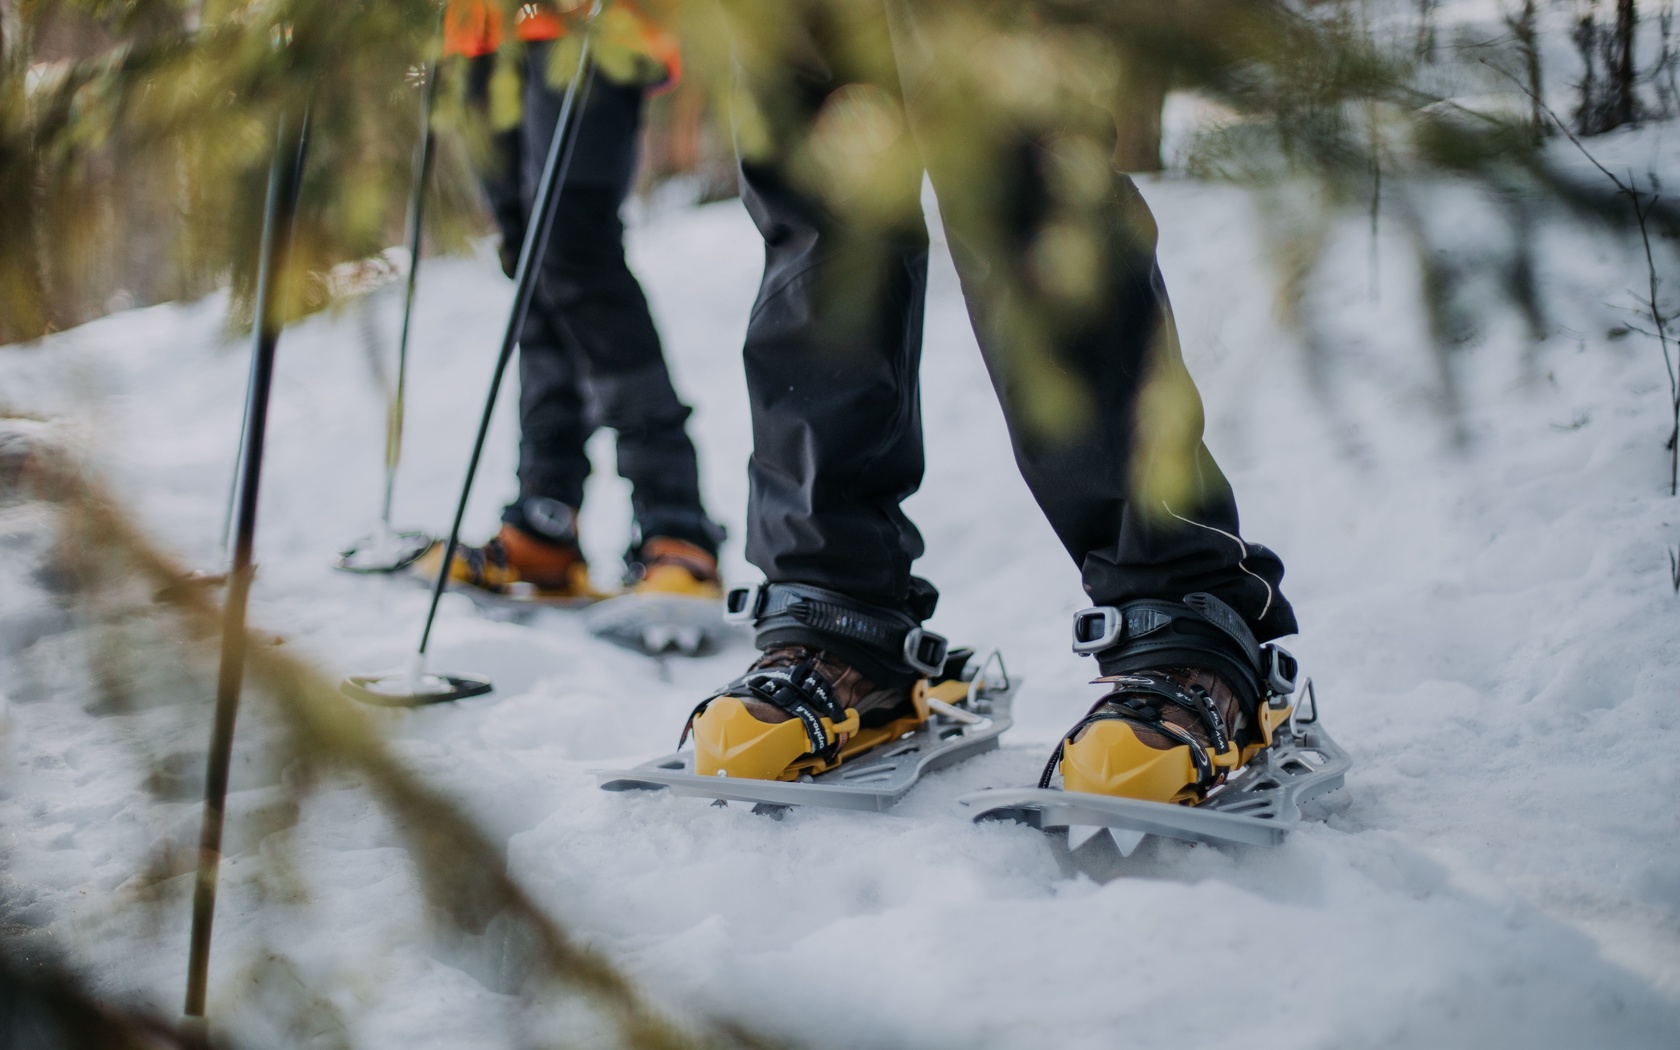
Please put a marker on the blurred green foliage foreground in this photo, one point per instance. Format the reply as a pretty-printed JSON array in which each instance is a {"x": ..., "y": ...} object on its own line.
[
  {"x": 120, "y": 577},
  {"x": 122, "y": 114},
  {"x": 142, "y": 129}
]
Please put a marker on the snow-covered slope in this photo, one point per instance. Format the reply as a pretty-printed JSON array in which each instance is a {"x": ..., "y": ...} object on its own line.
[{"x": 1491, "y": 627}]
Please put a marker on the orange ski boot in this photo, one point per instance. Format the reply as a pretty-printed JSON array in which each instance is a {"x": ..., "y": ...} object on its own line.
[{"x": 518, "y": 565}]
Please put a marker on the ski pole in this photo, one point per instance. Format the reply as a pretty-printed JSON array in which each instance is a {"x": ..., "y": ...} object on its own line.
[
  {"x": 285, "y": 178},
  {"x": 414, "y": 685},
  {"x": 387, "y": 550},
  {"x": 416, "y": 216},
  {"x": 238, "y": 461},
  {"x": 537, "y": 233}
]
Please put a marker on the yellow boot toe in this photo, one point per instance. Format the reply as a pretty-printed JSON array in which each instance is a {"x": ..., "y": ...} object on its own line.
[
  {"x": 1109, "y": 759},
  {"x": 729, "y": 741}
]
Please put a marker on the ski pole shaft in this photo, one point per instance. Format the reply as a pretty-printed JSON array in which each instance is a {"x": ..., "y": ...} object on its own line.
[
  {"x": 416, "y": 217},
  {"x": 531, "y": 253},
  {"x": 238, "y": 460},
  {"x": 279, "y": 212}
]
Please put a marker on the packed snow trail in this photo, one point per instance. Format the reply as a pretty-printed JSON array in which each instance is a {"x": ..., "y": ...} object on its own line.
[{"x": 1490, "y": 625}]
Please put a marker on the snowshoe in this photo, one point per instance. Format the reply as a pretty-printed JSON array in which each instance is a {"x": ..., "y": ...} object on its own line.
[
  {"x": 675, "y": 601},
  {"x": 515, "y": 569},
  {"x": 840, "y": 743},
  {"x": 384, "y": 551},
  {"x": 1187, "y": 743},
  {"x": 413, "y": 687}
]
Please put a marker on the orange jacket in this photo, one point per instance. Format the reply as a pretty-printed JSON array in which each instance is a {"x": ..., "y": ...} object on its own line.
[{"x": 474, "y": 27}]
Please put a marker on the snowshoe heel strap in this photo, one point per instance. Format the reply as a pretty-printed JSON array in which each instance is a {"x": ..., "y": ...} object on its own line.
[
  {"x": 1200, "y": 631},
  {"x": 800, "y": 613}
]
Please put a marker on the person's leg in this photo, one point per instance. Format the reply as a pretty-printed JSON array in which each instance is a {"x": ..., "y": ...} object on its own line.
[
  {"x": 503, "y": 175},
  {"x": 1072, "y": 317},
  {"x": 833, "y": 350},
  {"x": 1128, "y": 486},
  {"x": 538, "y": 541},
  {"x": 587, "y": 293},
  {"x": 554, "y": 425}
]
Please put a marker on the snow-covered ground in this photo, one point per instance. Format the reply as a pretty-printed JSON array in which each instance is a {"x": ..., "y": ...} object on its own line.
[{"x": 1491, "y": 626}]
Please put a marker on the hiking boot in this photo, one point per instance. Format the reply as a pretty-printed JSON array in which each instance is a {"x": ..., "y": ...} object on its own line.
[
  {"x": 1164, "y": 735},
  {"x": 1194, "y": 697},
  {"x": 799, "y": 710},
  {"x": 665, "y": 565},
  {"x": 516, "y": 563}
]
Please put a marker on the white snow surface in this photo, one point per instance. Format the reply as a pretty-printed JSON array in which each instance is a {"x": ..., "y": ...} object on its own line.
[{"x": 1489, "y": 620}]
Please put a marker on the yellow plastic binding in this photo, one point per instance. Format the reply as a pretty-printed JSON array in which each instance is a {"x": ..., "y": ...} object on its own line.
[
  {"x": 674, "y": 579},
  {"x": 1109, "y": 759},
  {"x": 729, "y": 741}
]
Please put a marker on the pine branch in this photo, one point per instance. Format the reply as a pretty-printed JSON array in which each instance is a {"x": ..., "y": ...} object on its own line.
[{"x": 461, "y": 868}]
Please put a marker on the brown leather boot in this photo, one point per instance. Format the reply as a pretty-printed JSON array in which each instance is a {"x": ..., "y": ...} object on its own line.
[{"x": 873, "y": 704}]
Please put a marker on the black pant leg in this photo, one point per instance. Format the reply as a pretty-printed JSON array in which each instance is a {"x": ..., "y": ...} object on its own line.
[
  {"x": 554, "y": 423},
  {"x": 503, "y": 176},
  {"x": 1138, "y": 419},
  {"x": 833, "y": 351},
  {"x": 554, "y": 419},
  {"x": 588, "y": 298}
]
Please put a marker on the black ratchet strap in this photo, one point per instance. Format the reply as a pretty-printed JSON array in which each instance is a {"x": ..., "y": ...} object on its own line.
[
  {"x": 893, "y": 636},
  {"x": 1201, "y": 631}
]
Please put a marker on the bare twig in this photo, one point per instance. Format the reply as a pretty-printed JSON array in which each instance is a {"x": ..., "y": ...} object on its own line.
[
  {"x": 1641, "y": 210},
  {"x": 1661, "y": 324},
  {"x": 1540, "y": 102}
]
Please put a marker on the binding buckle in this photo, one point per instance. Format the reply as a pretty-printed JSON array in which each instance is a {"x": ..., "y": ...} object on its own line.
[
  {"x": 925, "y": 651},
  {"x": 1280, "y": 670},
  {"x": 1097, "y": 628},
  {"x": 742, "y": 605}
]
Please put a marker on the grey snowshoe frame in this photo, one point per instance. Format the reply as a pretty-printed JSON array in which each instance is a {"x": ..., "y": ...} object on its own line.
[
  {"x": 385, "y": 551},
  {"x": 872, "y": 782},
  {"x": 517, "y": 605},
  {"x": 655, "y": 623},
  {"x": 1257, "y": 807}
]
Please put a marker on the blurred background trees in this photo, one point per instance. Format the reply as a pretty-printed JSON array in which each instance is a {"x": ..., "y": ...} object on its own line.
[
  {"x": 133, "y": 134},
  {"x": 133, "y": 146}
]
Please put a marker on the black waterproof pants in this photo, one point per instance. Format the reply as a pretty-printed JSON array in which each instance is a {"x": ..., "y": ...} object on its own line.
[
  {"x": 834, "y": 344},
  {"x": 589, "y": 355}
]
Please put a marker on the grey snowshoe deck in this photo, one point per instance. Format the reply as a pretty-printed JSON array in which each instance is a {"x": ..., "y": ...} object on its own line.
[
  {"x": 516, "y": 606},
  {"x": 655, "y": 623},
  {"x": 872, "y": 782},
  {"x": 1257, "y": 808}
]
